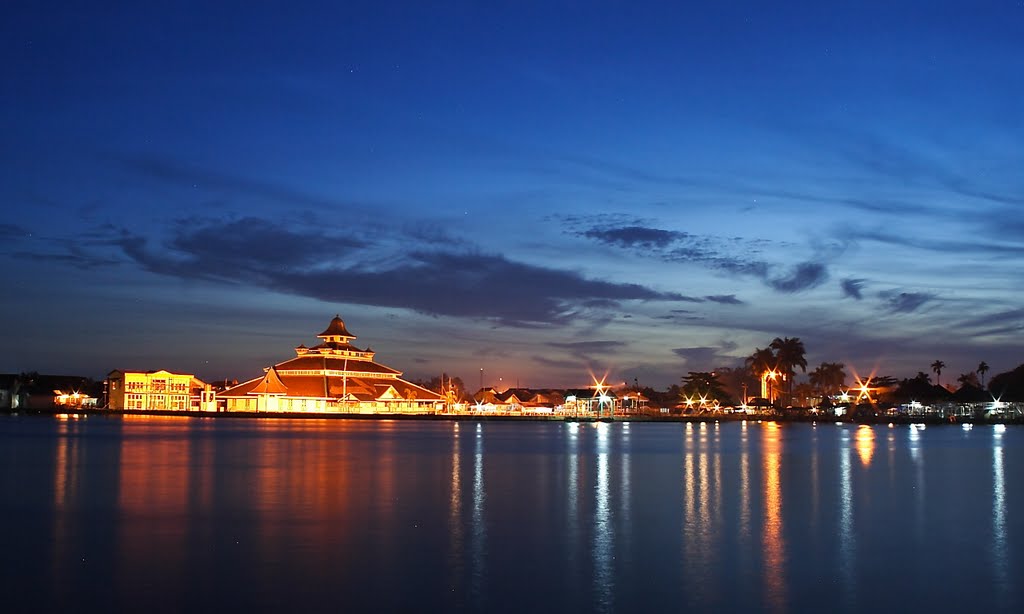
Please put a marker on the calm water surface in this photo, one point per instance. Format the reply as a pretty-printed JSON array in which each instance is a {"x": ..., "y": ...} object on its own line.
[{"x": 175, "y": 514}]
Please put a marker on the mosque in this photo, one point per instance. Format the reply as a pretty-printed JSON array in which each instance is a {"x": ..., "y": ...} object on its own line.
[{"x": 333, "y": 376}]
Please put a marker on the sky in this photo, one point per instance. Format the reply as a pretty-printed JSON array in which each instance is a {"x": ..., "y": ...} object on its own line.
[{"x": 514, "y": 193}]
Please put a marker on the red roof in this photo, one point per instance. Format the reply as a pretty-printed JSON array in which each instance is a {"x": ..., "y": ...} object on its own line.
[
  {"x": 319, "y": 362},
  {"x": 334, "y": 387}
]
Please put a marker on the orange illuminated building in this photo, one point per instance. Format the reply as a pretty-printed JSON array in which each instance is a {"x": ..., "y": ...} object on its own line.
[
  {"x": 331, "y": 377},
  {"x": 153, "y": 390}
]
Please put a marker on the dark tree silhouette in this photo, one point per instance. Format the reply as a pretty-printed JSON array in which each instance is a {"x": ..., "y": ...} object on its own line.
[
  {"x": 828, "y": 378},
  {"x": 705, "y": 385},
  {"x": 762, "y": 361},
  {"x": 1008, "y": 386},
  {"x": 969, "y": 379},
  {"x": 982, "y": 370},
  {"x": 790, "y": 354},
  {"x": 937, "y": 367}
]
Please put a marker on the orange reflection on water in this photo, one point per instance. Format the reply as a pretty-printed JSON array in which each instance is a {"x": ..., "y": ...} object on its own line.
[
  {"x": 774, "y": 544},
  {"x": 153, "y": 479},
  {"x": 865, "y": 443}
]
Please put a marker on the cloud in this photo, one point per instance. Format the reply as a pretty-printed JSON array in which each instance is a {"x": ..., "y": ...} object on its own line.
[
  {"x": 804, "y": 276},
  {"x": 852, "y": 288},
  {"x": 1008, "y": 317},
  {"x": 74, "y": 257},
  {"x": 12, "y": 231},
  {"x": 706, "y": 357},
  {"x": 555, "y": 363},
  {"x": 905, "y": 302},
  {"x": 892, "y": 160},
  {"x": 724, "y": 299},
  {"x": 715, "y": 253},
  {"x": 257, "y": 243},
  {"x": 589, "y": 347},
  {"x": 309, "y": 263},
  {"x": 634, "y": 236},
  {"x": 994, "y": 246}
]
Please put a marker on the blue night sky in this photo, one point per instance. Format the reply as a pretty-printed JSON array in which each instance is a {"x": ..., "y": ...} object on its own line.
[{"x": 538, "y": 192}]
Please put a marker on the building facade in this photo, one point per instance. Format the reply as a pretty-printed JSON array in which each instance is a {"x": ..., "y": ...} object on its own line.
[
  {"x": 154, "y": 390},
  {"x": 333, "y": 376}
]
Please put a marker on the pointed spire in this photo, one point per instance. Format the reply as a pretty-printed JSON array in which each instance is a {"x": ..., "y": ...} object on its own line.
[{"x": 270, "y": 384}]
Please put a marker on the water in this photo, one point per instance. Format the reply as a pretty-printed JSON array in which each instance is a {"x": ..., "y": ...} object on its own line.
[{"x": 176, "y": 514}]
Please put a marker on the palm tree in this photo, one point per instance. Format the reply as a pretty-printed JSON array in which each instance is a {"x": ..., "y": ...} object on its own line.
[
  {"x": 937, "y": 367},
  {"x": 762, "y": 361},
  {"x": 828, "y": 378},
  {"x": 982, "y": 369},
  {"x": 703, "y": 385},
  {"x": 968, "y": 379},
  {"x": 790, "y": 355}
]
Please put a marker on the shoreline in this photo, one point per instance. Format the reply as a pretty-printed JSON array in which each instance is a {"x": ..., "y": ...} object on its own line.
[{"x": 930, "y": 420}]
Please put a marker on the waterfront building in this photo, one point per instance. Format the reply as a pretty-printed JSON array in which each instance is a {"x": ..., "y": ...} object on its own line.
[
  {"x": 332, "y": 376},
  {"x": 156, "y": 390},
  {"x": 598, "y": 401},
  {"x": 517, "y": 400},
  {"x": 36, "y": 391},
  {"x": 633, "y": 402}
]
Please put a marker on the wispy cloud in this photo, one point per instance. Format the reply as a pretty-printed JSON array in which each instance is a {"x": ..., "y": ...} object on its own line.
[
  {"x": 895, "y": 161},
  {"x": 904, "y": 302},
  {"x": 1010, "y": 316},
  {"x": 852, "y": 288},
  {"x": 310, "y": 263},
  {"x": 12, "y": 231},
  {"x": 588, "y": 348},
  {"x": 804, "y": 276},
  {"x": 634, "y": 236},
  {"x": 715, "y": 253},
  {"x": 706, "y": 358},
  {"x": 76, "y": 258},
  {"x": 724, "y": 299}
]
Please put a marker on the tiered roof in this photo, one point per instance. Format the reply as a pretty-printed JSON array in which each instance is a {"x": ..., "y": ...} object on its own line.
[{"x": 334, "y": 369}]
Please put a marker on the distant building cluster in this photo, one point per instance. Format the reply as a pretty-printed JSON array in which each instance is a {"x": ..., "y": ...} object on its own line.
[
  {"x": 336, "y": 377},
  {"x": 333, "y": 376},
  {"x": 35, "y": 391}
]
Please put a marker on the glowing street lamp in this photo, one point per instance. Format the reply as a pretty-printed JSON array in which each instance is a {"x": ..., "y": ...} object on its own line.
[
  {"x": 767, "y": 378},
  {"x": 864, "y": 390},
  {"x": 602, "y": 397}
]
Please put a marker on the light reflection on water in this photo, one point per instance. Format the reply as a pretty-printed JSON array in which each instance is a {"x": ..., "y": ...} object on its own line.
[
  {"x": 604, "y": 535},
  {"x": 774, "y": 542},
  {"x": 999, "y": 537},
  {"x": 177, "y": 514},
  {"x": 456, "y": 567},
  {"x": 865, "y": 443},
  {"x": 846, "y": 535},
  {"x": 479, "y": 573}
]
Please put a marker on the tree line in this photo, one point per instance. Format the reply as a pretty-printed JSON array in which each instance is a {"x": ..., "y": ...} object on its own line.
[
  {"x": 825, "y": 384},
  {"x": 828, "y": 383}
]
